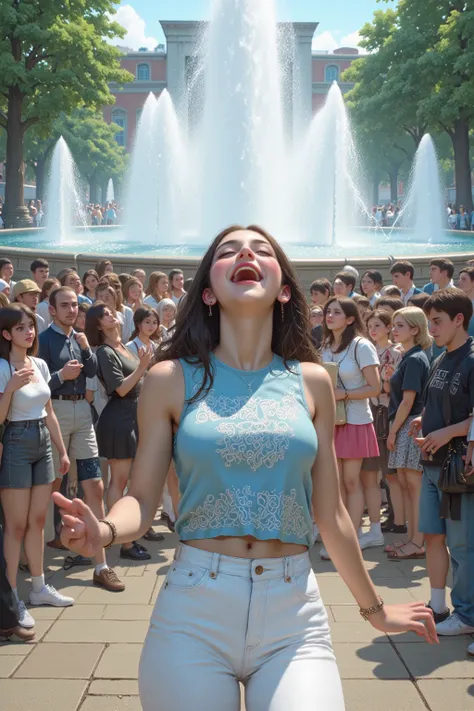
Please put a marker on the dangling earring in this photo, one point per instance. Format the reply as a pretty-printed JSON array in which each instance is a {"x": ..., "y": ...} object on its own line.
[
  {"x": 282, "y": 312},
  {"x": 210, "y": 310}
]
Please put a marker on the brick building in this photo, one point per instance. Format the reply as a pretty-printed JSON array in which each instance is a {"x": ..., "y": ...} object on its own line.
[{"x": 169, "y": 68}]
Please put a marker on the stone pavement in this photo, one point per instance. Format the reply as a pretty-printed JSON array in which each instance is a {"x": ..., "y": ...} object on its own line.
[{"x": 86, "y": 657}]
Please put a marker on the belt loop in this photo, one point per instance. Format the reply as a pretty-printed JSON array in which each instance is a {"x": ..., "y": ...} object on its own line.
[
  {"x": 287, "y": 569},
  {"x": 215, "y": 565},
  {"x": 177, "y": 552}
]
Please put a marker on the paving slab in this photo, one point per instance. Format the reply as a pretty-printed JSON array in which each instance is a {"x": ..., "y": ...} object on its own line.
[
  {"x": 374, "y": 660},
  {"x": 374, "y": 695},
  {"x": 111, "y": 703},
  {"x": 138, "y": 591},
  {"x": 345, "y": 613},
  {"x": 359, "y": 632},
  {"x": 128, "y": 612},
  {"x": 83, "y": 612},
  {"x": 449, "y": 661},
  {"x": 98, "y": 631},
  {"x": 334, "y": 591},
  {"x": 61, "y": 661},
  {"x": 119, "y": 661},
  {"x": 41, "y": 694},
  {"x": 118, "y": 687},
  {"x": 452, "y": 694},
  {"x": 8, "y": 665},
  {"x": 15, "y": 649}
]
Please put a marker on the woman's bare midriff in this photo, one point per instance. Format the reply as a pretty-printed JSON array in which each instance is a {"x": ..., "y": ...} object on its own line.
[{"x": 247, "y": 547}]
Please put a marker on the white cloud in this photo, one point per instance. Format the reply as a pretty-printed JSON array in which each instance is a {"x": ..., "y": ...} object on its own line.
[
  {"x": 326, "y": 42},
  {"x": 136, "y": 36},
  {"x": 351, "y": 40}
]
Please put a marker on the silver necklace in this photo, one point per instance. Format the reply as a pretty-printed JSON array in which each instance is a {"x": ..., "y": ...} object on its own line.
[{"x": 248, "y": 383}]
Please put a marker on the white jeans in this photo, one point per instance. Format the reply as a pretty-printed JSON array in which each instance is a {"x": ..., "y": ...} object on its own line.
[{"x": 219, "y": 620}]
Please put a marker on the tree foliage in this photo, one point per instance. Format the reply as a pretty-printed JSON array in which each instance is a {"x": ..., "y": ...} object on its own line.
[
  {"x": 55, "y": 56},
  {"x": 418, "y": 75}
]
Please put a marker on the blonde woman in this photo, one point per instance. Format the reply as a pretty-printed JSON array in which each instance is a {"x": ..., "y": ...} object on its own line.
[
  {"x": 166, "y": 311},
  {"x": 410, "y": 330},
  {"x": 157, "y": 289}
]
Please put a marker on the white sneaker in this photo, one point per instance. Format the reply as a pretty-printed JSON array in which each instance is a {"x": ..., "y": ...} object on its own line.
[
  {"x": 24, "y": 618},
  {"x": 324, "y": 554},
  {"x": 50, "y": 596},
  {"x": 371, "y": 539},
  {"x": 470, "y": 649},
  {"x": 453, "y": 626},
  {"x": 316, "y": 534}
]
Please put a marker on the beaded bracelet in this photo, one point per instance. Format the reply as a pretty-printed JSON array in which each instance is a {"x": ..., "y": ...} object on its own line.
[
  {"x": 113, "y": 530},
  {"x": 368, "y": 611}
]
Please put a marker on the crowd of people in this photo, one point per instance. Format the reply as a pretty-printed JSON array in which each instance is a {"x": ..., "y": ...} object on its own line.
[
  {"x": 91, "y": 213},
  {"x": 407, "y": 394},
  {"x": 74, "y": 352}
]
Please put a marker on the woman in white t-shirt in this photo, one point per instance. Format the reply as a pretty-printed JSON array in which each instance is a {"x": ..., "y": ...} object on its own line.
[
  {"x": 358, "y": 380},
  {"x": 26, "y": 470}
]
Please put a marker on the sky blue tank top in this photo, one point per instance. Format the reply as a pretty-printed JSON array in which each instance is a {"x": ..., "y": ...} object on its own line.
[{"x": 244, "y": 453}]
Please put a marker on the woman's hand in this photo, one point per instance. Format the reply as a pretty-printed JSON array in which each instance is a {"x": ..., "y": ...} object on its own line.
[
  {"x": 144, "y": 356},
  {"x": 415, "y": 427},
  {"x": 64, "y": 464},
  {"x": 19, "y": 379},
  {"x": 340, "y": 394},
  {"x": 469, "y": 466},
  {"x": 409, "y": 617},
  {"x": 81, "y": 529},
  {"x": 391, "y": 439},
  {"x": 387, "y": 371}
]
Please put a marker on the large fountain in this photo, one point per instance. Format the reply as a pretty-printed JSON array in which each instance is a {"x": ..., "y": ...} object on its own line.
[{"x": 240, "y": 160}]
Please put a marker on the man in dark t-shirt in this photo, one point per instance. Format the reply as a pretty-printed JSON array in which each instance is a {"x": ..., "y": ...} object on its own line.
[{"x": 452, "y": 376}]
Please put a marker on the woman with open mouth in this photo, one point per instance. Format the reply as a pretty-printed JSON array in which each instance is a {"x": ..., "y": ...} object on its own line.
[{"x": 239, "y": 400}]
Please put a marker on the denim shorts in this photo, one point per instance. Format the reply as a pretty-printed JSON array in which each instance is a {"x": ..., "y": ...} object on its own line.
[{"x": 27, "y": 458}]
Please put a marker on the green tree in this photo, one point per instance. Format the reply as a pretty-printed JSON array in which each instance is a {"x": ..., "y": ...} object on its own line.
[
  {"x": 419, "y": 75},
  {"x": 54, "y": 57},
  {"x": 92, "y": 143}
]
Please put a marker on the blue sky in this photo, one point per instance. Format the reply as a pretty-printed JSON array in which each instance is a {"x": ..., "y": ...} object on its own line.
[{"x": 339, "y": 20}]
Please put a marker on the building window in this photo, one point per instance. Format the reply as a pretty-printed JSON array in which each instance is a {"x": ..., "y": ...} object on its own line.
[
  {"x": 119, "y": 117},
  {"x": 143, "y": 72},
  {"x": 332, "y": 74}
]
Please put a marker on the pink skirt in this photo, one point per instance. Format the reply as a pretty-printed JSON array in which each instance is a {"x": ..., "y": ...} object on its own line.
[{"x": 355, "y": 441}]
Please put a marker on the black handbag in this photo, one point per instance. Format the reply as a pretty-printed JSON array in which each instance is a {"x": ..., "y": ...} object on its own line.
[{"x": 452, "y": 480}]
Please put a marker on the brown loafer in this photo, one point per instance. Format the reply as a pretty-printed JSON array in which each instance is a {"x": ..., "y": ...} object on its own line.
[{"x": 109, "y": 580}]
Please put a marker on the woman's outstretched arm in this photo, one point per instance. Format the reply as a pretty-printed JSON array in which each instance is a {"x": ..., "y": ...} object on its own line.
[
  {"x": 335, "y": 525},
  {"x": 160, "y": 402}
]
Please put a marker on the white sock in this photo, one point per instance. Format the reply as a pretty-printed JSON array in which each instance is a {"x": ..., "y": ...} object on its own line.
[
  {"x": 376, "y": 528},
  {"x": 438, "y": 599},
  {"x": 100, "y": 567},
  {"x": 15, "y": 592},
  {"x": 37, "y": 583}
]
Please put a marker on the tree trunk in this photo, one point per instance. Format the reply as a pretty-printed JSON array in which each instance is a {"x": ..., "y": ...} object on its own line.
[
  {"x": 16, "y": 213},
  {"x": 393, "y": 175},
  {"x": 462, "y": 164}
]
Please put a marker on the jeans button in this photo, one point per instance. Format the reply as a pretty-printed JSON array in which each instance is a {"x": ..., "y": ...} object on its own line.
[{"x": 259, "y": 569}]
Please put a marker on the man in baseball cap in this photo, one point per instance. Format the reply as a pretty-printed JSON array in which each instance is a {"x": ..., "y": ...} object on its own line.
[{"x": 27, "y": 292}]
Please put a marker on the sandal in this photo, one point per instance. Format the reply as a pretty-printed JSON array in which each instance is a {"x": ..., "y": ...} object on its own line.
[
  {"x": 394, "y": 546},
  {"x": 400, "y": 555}
]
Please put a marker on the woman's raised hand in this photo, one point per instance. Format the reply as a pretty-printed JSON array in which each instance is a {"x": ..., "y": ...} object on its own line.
[
  {"x": 19, "y": 379},
  {"x": 145, "y": 355},
  {"x": 81, "y": 528},
  {"x": 409, "y": 617}
]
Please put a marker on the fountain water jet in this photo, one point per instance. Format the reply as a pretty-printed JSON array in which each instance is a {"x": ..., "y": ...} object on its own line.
[
  {"x": 110, "y": 195},
  {"x": 64, "y": 207},
  {"x": 423, "y": 210}
]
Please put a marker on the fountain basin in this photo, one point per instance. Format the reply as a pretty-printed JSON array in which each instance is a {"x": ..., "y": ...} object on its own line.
[{"x": 373, "y": 250}]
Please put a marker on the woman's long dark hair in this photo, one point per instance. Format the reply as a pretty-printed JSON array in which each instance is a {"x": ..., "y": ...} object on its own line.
[
  {"x": 354, "y": 329},
  {"x": 11, "y": 316},
  {"x": 94, "y": 316},
  {"x": 197, "y": 333}
]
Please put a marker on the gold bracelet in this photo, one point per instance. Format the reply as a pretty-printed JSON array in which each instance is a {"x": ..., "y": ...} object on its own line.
[
  {"x": 368, "y": 611},
  {"x": 113, "y": 530}
]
